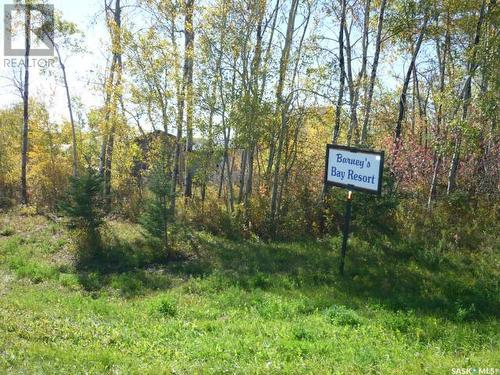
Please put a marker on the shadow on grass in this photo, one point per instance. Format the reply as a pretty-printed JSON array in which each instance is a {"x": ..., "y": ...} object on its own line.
[
  {"x": 131, "y": 267},
  {"x": 406, "y": 279},
  {"x": 393, "y": 273}
]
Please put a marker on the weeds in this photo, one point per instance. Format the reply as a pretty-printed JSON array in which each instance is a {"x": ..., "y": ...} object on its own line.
[{"x": 241, "y": 306}]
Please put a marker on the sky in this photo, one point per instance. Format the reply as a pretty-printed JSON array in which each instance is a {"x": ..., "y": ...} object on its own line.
[{"x": 79, "y": 67}]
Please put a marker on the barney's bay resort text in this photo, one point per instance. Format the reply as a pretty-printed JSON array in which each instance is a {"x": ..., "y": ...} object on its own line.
[{"x": 351, "y": 174}]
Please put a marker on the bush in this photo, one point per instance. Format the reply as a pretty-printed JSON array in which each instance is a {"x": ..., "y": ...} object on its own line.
[
  {"x": 91, "y": 281},
  {"x": 69, "y": 280},
  {"x": 157, "y": 213},
  {"x": 216, "y": 219},
  {"x": 167, "y": 307},
  {"x": 343, "y": 316},
  {"x": 127, "y": 283},
  {"x": 36, "y": 272},
  {"x": 7, "y": 231},
  {"x": 84, "y": 208}
]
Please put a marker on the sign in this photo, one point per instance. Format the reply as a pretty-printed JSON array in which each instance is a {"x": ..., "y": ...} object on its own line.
[{"x": 354, "y": 169}]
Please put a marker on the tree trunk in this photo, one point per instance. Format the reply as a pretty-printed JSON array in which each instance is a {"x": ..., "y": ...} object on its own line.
[
  {"x": 466, "y": 96},
  {"x": 188, "y": 76},
  {"x": 229, "y": 173},
  {"x": 249, "y": 183},
  {"x": 70, "y": 109},
  {"x": 362, "y": 72},
  {"x": 243, "y": 164},
  {"x": 114, "y": 97},
  {"x": 338, "y": 109},
  {"x": 373, "y": 75},
  {"x": 177, "y": 155},
  {"x": 110, "y": 145},
  {"x": 229, "y": 180},
  {"x": 255, "y": 103},
  {"x": 413, "y": 103},
  {"x": 281, "y": 106},
  {"x": 364, "y": 61},
  {"x": 180, "y": 95},
  {"x": 435, "y": 176},
  {"x": 267, "y": 57},
  {"x": 24, "y": 149},
  {"x": 108, "y": 86},
  {"x": 439, "y": 116},
  {"x": 402, "y": 99},
  {"x": 353, "y": 126},
  {"x": 227, "y": 135},
  {"x": 268, "y": 50},
  {"x": 221, "y": 180}
]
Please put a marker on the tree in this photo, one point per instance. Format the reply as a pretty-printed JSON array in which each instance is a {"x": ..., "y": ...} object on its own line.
[
  {"x": 188, "y": 83},
  {"x": 10, "y": 154},
  {"x": 66, "y": 29},
  {"x": 113, "y": 93},
  {"x": 24, "y": 149},
  {"x": 465, "y": 97},
  {"x": 157, "y": 212},
  {"x": 281, "y": 108},
  {"x": 402, "y": 99},
  {"x": 83, "y": 206},
  {"x": 338, "y": 109},
  {"x": 373, "y": 75}
]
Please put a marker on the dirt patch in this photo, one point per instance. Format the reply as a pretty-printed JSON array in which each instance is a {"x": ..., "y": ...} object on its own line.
[{"x": 6, "y": 280}]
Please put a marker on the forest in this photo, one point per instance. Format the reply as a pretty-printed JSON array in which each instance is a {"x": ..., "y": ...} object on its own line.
[{"x": 183, "y": 224}]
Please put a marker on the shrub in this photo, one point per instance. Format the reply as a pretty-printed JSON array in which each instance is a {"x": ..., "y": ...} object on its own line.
[
  {"x": 343, "y": 316},
  {"x": 69, "y": 280},
  {"x": 157, "y": 213},
  {"x": 36, "y": 272},
  {"x": 91, "y": 281},
  {"x": 128, "y": 284},
  {"x": 167, "y": 307},
  {"x": 83, "y": 206},
  {"x": 7, "y": 231}
]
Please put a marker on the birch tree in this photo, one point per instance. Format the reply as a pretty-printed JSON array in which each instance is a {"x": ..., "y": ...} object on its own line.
[{"x": 24, "y": 148}]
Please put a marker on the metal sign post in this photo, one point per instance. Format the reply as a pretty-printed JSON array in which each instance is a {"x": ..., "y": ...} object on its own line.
[
  {"x": 354, "y": 169},
  {"x": 347, "y": 220}
]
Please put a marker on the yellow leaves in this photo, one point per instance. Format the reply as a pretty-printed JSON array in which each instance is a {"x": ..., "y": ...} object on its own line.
[
  {"x": 49, "y": 161},
  {"x": 10, "y": 146}
]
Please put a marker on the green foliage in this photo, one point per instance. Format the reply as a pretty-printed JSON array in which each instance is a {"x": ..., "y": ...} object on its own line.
[
  {"x": 7, "y": 231},
  {"x": 84, "y": 209},
  {"x": 127, "y": 284},
  {"x": 459, "y": 222},
  {"x": 156, "y": 213},
  {"x": 343, "y": 316},
  {"x": 215, "y": 218},
  {"x": 244, "y": 306},
  {"x": 167, "y": 307},
  {"x": 32, "y": 270},
  {"x": 10, "y": 154},
  {"x": 155, "y": 217},
  {"x": 91, "y": 281},
  {"x": 69, "y": 281},
  {"x": 83, "y": 202}
]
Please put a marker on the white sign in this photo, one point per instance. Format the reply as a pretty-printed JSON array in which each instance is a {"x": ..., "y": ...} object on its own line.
[{"x": 354, "y": 169}]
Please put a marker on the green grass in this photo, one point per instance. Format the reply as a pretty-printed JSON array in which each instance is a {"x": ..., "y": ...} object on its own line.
[{"x": 242, "y": 307}]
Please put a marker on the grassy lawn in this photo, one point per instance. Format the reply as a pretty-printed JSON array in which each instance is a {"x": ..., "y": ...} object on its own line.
[{"x": 242, "y": 307}]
